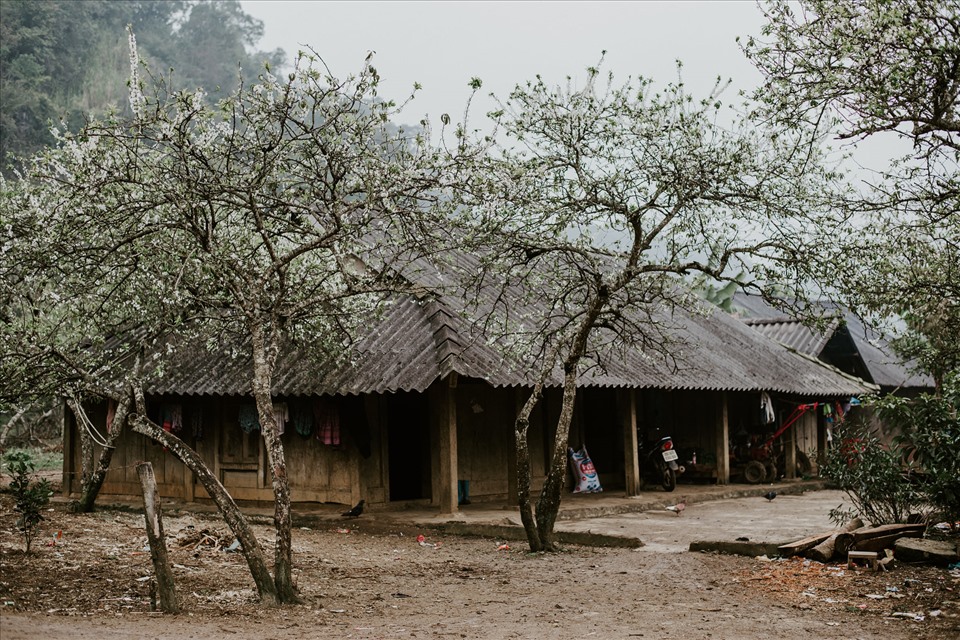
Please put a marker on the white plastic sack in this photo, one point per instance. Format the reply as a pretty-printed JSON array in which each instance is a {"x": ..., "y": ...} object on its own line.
[{"x": 585, "y": 475}]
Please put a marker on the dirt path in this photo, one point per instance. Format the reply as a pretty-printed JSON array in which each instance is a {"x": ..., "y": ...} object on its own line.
[{"x": 363, "y": 583}]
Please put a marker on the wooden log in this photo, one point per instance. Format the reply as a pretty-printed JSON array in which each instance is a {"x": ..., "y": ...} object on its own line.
[
  {"x": 824, "y": 551},
  {"x": 884, "y": 529},
  {"x": 853, "y": 540},
  {"x": 880, "y": 543},
  {"x": 803, "y": 544},
  {"x": 158, "y": 546}
]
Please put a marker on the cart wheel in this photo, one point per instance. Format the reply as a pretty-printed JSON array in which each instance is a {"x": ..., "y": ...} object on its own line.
[
  {"x": 772, "y": 474},
  {"x": 754, "y": 472}
]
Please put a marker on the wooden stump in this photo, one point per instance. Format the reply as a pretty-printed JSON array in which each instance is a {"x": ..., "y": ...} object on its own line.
[{"x": 158, "y": 546}]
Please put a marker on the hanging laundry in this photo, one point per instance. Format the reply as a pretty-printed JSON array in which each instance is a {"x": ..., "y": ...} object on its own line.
[
  {"x": 766, "y": 408},
  {"x": 303, "y": 420},
  {"x": 327, "y": 417},
  {"x": 196, "y": 421},
  {"x": 249, "y": 421},
  {"x": 176, "y": 418},
  {"x": 166, "y": 420},
  {"x": 281, "y": 413}
]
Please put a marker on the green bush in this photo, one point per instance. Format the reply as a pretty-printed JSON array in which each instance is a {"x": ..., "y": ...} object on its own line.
[
  {"x": 918, "y": 474},
  {"x": 930, "y": 444},
  {"x": 872, "y": 476},
  {"x": 30, "y": 497}
]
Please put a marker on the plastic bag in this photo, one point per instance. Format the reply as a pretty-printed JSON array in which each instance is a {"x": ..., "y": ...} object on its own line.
[{"x": 585, "y": 475}]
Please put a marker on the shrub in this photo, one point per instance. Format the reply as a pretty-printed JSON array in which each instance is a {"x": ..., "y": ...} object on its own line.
[
  {"x": 872, "y": 476},
  {"x": 919, "y": 473},
  {"x": 30, "y": 497}
]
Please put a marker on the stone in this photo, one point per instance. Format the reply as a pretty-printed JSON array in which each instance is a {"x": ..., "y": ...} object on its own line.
[{"x": 937, "y": 552}]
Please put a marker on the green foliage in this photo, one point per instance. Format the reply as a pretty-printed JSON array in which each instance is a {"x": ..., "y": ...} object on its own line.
[
  {"x": 930, "y": 443},
  {"x": 872, "y": 475},
  {"x": 919, "y": 473},
  {"x": 42, "y": 460},
  {"x": 65, "y": 60},
  {"x": 883, "y": 70},
  {"x": 30, "y": 497}
]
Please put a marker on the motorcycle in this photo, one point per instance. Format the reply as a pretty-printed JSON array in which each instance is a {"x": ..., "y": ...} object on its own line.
[{"x": 660, "y": 464}]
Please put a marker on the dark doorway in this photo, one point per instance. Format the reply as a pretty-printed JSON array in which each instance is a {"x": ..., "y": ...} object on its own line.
[{"x": 408, "y": 446}]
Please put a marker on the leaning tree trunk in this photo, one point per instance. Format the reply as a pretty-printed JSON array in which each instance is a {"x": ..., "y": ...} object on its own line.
[
  {"x": 251, "y": 548},
  {"x": 264, "y": 357},
  {"x": 93, "y": 477},
  {"x": 522, "y": 428},
  {"x": 548, "y": 504}
]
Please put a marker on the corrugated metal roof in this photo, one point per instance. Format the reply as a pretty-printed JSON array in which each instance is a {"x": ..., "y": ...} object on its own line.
[
  {"x": 885, "y": 369},
  {"x": 416, "y": 341},
  {"x": 794, "y": 334}
]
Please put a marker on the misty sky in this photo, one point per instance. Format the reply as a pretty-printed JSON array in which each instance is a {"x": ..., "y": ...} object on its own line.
[{"x": 442, "y": 45}]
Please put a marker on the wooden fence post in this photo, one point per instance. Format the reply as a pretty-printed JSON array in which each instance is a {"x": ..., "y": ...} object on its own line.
[{"x": 158, "y": 546}]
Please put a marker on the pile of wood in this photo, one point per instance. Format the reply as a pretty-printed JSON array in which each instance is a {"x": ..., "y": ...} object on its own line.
[{"x": 854, "y": 536}]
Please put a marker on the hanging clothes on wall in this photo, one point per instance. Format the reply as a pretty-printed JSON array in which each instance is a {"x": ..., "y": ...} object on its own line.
[
  {"x": 302, "y": 418},
  {"x": 175, "y": 412},
  {"x": 247, "y": 415},
  {"x": 281, "y": 413},
  {"x": 111, "y": 413},
  {"x": 327, "y": 417},
  {"x": 196, "y": 420}
]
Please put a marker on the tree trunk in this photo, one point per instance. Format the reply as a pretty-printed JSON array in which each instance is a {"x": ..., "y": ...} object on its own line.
[
  {"x": 252, "y": 550},
  {"x": 158, "y": 545},
  {"x": 93, "y": 478},
  {"x": 87, "y": 448},
  {"x": 12, "y": 421},
  {"x": 522, "y": 428},
  {"x": 548, "y": 504},
  {"x": 264, "y": 357}
]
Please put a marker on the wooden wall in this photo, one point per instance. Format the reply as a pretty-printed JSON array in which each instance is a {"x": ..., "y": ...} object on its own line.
[{"x": 318, "y": 472}]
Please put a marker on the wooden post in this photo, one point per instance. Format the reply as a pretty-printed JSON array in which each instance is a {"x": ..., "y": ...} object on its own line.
[
  {"x": 821, "y": 439},
  {"x": 513, "y": 495},
  {"x": 69, "y": 443},
  {"x": 443, "y": 419},
  {"x": 627, "y": 412},
  {"x": 790, "y": 451},
  {"x": 158, "y": 546},
  {"x": 723, "y": 440}
]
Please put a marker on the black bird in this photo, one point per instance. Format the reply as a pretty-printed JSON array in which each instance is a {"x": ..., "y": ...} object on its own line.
[
  {"x": 771, "y": 495},
  {"x": 355, "y": 512}
]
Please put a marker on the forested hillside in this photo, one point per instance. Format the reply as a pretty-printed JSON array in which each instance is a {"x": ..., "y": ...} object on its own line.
[{"x": 69, "y": 58}]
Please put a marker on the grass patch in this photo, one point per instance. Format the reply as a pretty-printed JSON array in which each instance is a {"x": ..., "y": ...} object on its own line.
[{"x": 43, "y": 459}]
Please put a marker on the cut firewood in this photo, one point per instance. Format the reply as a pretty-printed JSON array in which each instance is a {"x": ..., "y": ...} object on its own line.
[
  {"x": 857, "y": 539},
  {"x": 800, "y": 546},
  {"x": 824, "y": 551}
]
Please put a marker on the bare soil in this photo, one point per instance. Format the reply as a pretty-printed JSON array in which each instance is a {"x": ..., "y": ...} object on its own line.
[{"x": 89, "y": 576}]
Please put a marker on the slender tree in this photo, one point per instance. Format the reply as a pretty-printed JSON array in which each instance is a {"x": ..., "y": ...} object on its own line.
[
  {"x": 882, "y": 71},
  {"x": 600, "y": 201},
  {"x": 241, "y": 223}
]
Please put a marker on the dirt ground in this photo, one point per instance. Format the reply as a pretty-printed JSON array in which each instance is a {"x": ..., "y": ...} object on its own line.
[{"x": 89, "y": 576}]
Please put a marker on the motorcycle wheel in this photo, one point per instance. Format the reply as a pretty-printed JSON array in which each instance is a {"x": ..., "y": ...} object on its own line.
[{"x": 669, "y": 479}]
